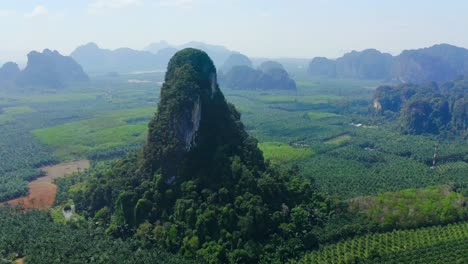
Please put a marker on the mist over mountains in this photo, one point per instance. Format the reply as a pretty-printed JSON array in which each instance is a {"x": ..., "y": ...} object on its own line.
[
  {"x": 154, "y": 57},
  {"x": 47, "y": 69},
  {"x": 438, "y": 63}
]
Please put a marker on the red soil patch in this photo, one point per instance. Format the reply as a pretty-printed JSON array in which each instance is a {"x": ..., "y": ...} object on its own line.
[
  {"x": 19, "y": 261},
  {"x": 42, "y": 191}
]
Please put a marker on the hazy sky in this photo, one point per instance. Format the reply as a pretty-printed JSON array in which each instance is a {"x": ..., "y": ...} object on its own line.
[{"x": 259, "y": 28}]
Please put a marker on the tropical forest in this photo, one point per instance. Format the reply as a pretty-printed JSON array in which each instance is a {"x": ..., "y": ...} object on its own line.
[{"x": 279, "y": 144}]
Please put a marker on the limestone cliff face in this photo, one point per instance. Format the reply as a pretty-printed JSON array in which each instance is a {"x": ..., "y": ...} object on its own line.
[
  {"x": 194, "y": 124},
  {"x": 377, "y": 106}
]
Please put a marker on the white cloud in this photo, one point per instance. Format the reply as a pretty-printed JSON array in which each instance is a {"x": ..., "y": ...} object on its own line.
[
  {"x": 177, "y": 3},
  {"x": 99, "y": 6},
  {"x": 38, "y": 11}
]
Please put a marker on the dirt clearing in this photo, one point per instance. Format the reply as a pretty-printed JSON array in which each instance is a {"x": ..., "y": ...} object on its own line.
[{"x": 42, "y": 191}]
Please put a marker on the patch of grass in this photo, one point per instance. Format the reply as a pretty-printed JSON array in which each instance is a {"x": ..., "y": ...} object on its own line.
[
  {"x": 53, "y": 98},
  {"x": 18, "y": 110},
  {"x": 321, "y": 115},
  {"x": 5, "y": 119},
  {"x": 282, "y": 152},
  {"x": 315, "y": 99},
  {"x": 8, "y": 114},
  {"x": 338, "y": 140},
  {"x": 104, "y": 131}
]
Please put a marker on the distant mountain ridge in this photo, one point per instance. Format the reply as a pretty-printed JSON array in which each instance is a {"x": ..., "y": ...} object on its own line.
[
  {"x": 97, "y": 60},
  {"x": 217, "y": 53},
  {"x": 439, "y": 63},
  {"x": 47, "y": 69},
  {"x": 155, "y": 56},
  {"x": 270, "y": 75}
]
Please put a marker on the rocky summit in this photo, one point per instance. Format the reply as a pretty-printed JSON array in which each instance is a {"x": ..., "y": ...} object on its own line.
[{"x": 194, "y": 123}]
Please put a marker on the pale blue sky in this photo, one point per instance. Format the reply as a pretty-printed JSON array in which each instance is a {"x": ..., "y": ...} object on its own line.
[{"x": 259, "y": 28}]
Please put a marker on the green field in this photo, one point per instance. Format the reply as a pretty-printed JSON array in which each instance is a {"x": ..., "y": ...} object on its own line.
[
  {"x": 281, "y": 152},
  {"x": 7, "y": 115},
  {"x": 446, "y": 244},
  {"x": 105, "y": 130},
  {"x": 310, "y": 127},
  {"x": 338, "y": 140},
  {"x": 321, "y": 115}
]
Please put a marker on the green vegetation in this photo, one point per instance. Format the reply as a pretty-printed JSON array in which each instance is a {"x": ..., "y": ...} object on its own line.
[
  {"x": 451, "y": 166},
  {"x": 338, "y": 140},
  {"x": 226, "y": 204},
  {"x": 104, "y": 131},
  {"x": 376, "y": 160},
  {"x": 7, "y": 114},
  {"x": 20, "y": 155},
  {"x": 58, "y": 213},
  {"x": 200, "y": 187},
  {"x": 425, "y": 245},
  {"x": 325, "y": 99},
  {"x": 34, "y": 236},
  {"x": 430, "y": 108},
  {"x": 413, "y": 207},
  {"x": 321, "y": 115},
  {"x": 281, "y": 152}
]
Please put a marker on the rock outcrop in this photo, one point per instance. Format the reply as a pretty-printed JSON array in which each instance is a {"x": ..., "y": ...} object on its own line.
[
  {"x": 437, "y": 63},
  {"x": 269, "y": 76},
  {"x": 201, "y": 178},
  {"x": 270, "y": 65},
  {"x": 322, "y": 67},
  {"x": 236, "y": 59},
  {"x": 366, "y": 64},
  {"x": 193, "y": 121},
  {"x": 429, "y": 108},
  {"x": 9, "y": 72},
  {"x": 50, "y": 69}
]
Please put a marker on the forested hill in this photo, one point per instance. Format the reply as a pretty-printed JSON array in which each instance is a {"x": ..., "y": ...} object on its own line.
[
  {"x": 367, "y": 64},
  {"x": 437, "y": 63},
  {"x": 429, "y": 108},
  {"x": 201, "y": 187},
  {"x": 270, "y": 75},
  {"x": 47, "y": 69},
  {"x": 9, "y": 72}
]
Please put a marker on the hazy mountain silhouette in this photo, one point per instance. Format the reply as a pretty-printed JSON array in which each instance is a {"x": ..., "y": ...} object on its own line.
[{"x": 437, "y": 63}]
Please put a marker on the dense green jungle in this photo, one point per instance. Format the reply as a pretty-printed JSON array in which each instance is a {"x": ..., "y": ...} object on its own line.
[{"x": 315, "y": 174}]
